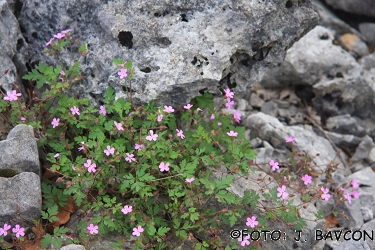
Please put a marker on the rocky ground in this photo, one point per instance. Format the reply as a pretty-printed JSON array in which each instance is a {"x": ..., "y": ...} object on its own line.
[{"x": 323, "y": 95}]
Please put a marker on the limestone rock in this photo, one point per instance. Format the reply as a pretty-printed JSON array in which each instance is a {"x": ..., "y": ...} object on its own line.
[{"x": 179, "y": 48}]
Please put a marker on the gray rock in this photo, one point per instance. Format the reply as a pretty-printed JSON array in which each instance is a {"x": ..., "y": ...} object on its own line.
[
  {"x": 269, "y": 108},
  {"x": 330, "y": 20},
  {"x": 22, "y": 191},
  {"x": 282, "y": 103},
  {"x": 256, "y": 101},
  {"x": 287, "y": 112},
  {"x": 19, "y": 151},
  {"x": 363, "y": 150},
  {"x": 359, "y": 7},
  {"x": 369, "y": 226},
  {"x": 255, "y": 142},
  {"x": 270, "y": 129},
  {"x": 346, "y": 96},
  {"x": 371, "y": 156},
  {"x": 368, "y": 31},
  {"x": 73, "y": 247},
  {"x": 367, "y": 214},
  {"x": 368, "y": 62},
  {"x": 178, "y": 48},
  {"x": 364, "y": 177},
  {"x": 310, "y": 60},
  {"x": 348, "y": 245},
  {"x": 353, "y": 44},
  {"x": 345, "y": 124},
  {"x": 12, "y": 43},
  {"x": 243, "y": 105},
  {"x": 340, "y": 140}
]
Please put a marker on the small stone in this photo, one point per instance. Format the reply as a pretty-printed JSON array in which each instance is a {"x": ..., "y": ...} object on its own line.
[
  {"x": 256, "y": 101},
  {"x": 269, "y": 108}
]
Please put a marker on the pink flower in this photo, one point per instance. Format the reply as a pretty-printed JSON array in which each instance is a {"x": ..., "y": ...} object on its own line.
[
  {"x": 160, "y": 117},
  {"x": 188, "y": 106},
  {"x": 66, "y": 31},
  {"x": 137, "y": 231},
  {"x": 91, "y": 167},
  {"x": 245, "y": 240},
  {"x": 232, "y": 134},
  {"x": 122, "y": 73},
  {"x": 127, "y": 209},
  {"x": 307, "y": 179},
  {"x": 109, "y": 150},
  {"x": 237, "y": 116},
  {"x": 73, "y": 167},
  {"x": 282, "y": 192},
  {"x": 212, "y": 117},
  {"x": 57, "y": 155},
  {"x": 55, "y": 122},
  {"x": 93, "y": 229},
  {"x": 23, "y": 118},
  {"x": 75, "y": 110},
  {"x": 228, "y": 93},
  {"x": 12, "y": 96},
  {"x": 59, "y": 35},
  {"x": 252, "y": 222},
  {"x": 139, "y": 146},
  {"x": 355, "y": 194},
  {"x": 18, "y": 230},
  {"x": 290, "y": 139},
  {"x": 199, "y": 109},
  {"x": 102, "y": 110},
  {"x": 131, "y": 113},
  {"x": 275, "y": 165},
  {"x": 325, "y": 196},
  {"x": 152, "y": 136},
  {"x": 62, "y": 73},
  {"x": 164, "y": 167},
  {"x": 348, "y": 197},
  {"x": 229, "y": 104},
  {"x": 354, "y": 183},
  {"x": 180, "y": 133},
  {"x": 50, "y": 41},
  {"x": 118, "y": 126},
  {"x": 219, "y": 123},
  {"x": 3, "y": 231},
  {"x": 82, "y": 148},
  {"x": 190, "y": 180},
  {"x": 129, "y": 157},
  {"x": 168, "y": 109}
]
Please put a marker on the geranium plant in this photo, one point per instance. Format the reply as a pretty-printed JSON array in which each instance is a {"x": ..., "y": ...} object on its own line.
[{"x": 144, "y": 172}]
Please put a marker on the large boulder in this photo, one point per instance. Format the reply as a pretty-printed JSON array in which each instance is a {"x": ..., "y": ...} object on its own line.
[
  {"x": 178, "y": 47},
  {"x": 12, "y": 48},
  {"x": 359, "y": 7}
]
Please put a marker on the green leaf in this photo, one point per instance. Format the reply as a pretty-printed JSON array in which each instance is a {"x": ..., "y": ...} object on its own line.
[
  {"x": 205, "y": 101},
  {"x": 120, "y": 105},
  {"x": 109, "y": 94},
  {"x": 301, "y": 223},
  {"x": 250, "y": 198},
  {"x": 151, "y": 230},
  {"x": 83, "y": 48},
  {"x": 163, "y": 230},
  {"x": 129, "y": 64},
  {"x": 225, "y": 195},
  {"x": 117, "y": 62},
  {"x": 47, "y": 239},
  {"x": 173, "y": 154}
]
